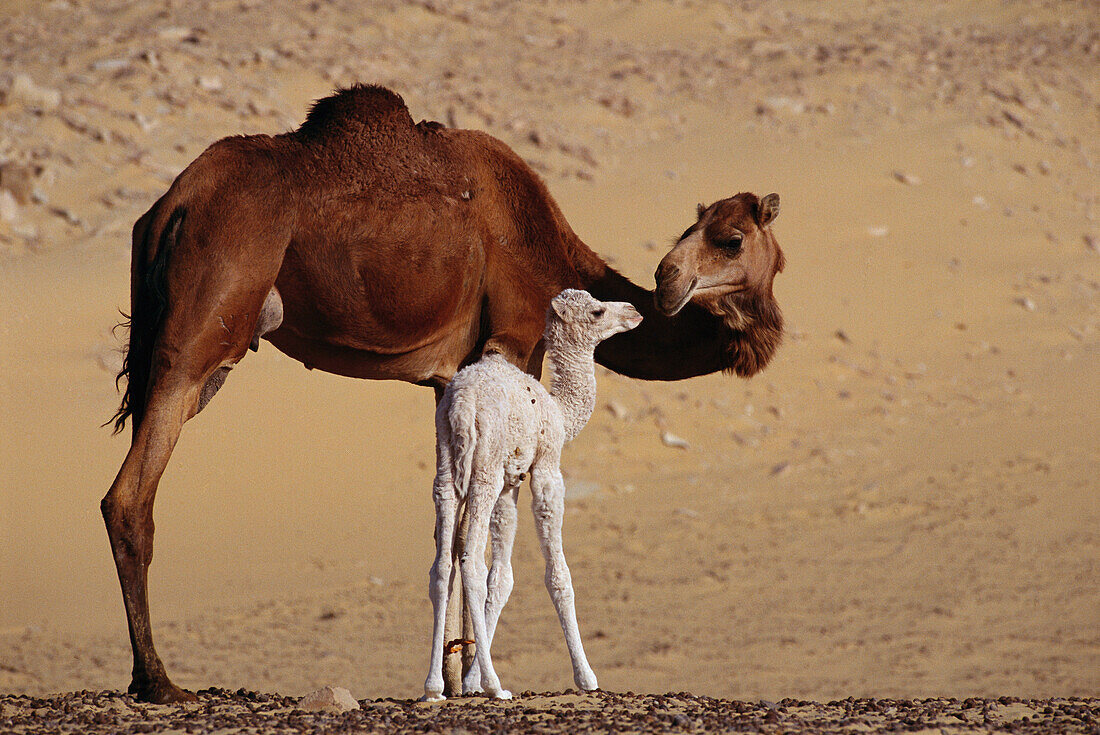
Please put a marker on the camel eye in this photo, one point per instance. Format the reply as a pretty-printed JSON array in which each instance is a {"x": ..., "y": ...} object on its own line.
[
  {"x": 732, "y": 244},
  {"x": 597, "y": 312}
]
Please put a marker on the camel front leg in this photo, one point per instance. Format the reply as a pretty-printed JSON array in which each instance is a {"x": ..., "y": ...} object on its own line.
[
  {"x": 548, "y": 504},
  {"x": 128, "y": 514}
]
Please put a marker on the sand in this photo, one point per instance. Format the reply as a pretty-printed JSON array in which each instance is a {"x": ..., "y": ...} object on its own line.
[{"x": 904, "y": 504}]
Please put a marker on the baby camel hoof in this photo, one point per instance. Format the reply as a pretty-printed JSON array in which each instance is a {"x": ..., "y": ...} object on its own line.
[{"x": 587, "y": 684}]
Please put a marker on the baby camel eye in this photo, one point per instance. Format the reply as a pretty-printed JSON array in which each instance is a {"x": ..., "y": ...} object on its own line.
[{"x": 597, "y": 312}]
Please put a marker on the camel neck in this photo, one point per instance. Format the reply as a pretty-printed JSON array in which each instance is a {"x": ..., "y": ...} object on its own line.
[
  {"x": 693, "y": 342},
  {"x": 572, "y": 382}
]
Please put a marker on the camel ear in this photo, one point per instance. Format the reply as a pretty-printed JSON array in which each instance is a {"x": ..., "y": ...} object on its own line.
[
  {"x": 768, "y": 209},
  {"x": 558, "y": 306},
  {"x": 699, "y": 209}
]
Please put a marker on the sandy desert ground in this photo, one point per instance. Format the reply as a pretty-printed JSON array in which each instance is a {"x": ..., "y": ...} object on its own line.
[{"x": 904, "y": 504}]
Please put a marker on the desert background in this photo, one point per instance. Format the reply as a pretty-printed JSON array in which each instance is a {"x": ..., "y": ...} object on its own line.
[{"x": 904, "y": 504}]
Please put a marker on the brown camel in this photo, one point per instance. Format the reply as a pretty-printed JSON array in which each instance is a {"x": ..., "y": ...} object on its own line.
[{"x": 366, "y": 245}]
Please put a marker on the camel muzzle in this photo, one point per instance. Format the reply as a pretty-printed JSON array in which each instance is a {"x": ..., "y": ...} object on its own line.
[{"x": 672, "y": 294}]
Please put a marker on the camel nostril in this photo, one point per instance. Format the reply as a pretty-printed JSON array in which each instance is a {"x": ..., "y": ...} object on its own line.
[{"x": 666, "y": 271}]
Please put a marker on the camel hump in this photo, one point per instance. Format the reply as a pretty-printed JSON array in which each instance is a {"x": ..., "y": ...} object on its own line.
[{"x": 358, "y": 106}]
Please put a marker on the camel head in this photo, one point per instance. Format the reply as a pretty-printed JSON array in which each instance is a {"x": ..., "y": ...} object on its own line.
[
  {"x": 580, "y": 318},
  {"x": 726, "y": 263}
]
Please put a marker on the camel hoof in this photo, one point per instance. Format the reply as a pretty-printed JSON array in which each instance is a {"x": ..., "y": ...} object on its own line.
[
  {"x": 433, "y": 697},
  {"x": 501, "y": 694},
  {"x": 162, "y": 692}
]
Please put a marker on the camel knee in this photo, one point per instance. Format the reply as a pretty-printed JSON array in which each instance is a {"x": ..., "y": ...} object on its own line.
[{"x": 439, "y": 576}]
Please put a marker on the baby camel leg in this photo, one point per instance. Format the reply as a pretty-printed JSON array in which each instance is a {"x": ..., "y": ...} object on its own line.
[
  {"x": 502, "y": 536},
  {"x": 483, "y": 494},
  {"x": 442, "y": 572},
  {"x": 548, "y": 504}
]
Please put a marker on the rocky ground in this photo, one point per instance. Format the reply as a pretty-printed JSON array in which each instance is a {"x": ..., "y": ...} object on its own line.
[{"x": 224, "y": 712}]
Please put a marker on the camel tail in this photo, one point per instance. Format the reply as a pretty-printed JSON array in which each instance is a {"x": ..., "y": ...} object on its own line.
[
  {"x": 463, "y": 418},
  {"x": 148, "y": 304}
]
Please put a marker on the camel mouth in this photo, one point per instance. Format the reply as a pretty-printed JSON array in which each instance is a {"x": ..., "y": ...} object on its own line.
[
  {"x": 722, "y": 289},
  {"x": 660, "y": 298}
]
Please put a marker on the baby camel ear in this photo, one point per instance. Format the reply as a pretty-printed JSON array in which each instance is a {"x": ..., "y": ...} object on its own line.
[
  {"x": 768, "y": 209},
  {"x": 558, "y": 306},
  {"x": 699, "y": 209}
]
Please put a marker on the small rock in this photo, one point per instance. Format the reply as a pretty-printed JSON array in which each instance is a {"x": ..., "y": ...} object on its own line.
[
  {"x": 781, "y": 469},
  {"x": 209, "y": 84},
  {"x": 1091, "y": 244},
  {"x": 9, "y": 208},
  {"x": 618, "y": 410},
  {"x": 176, "y": 34},
  {"x": 25, "y": 230},
  {"x": 1026, "y": 302},
  {"x": 329, "y": 699},
  {"x": 108, "y": 359},
  {"x": 671, "y": 440},
  {"x": 908, "y": 179},
  {"x": 111, "y": 65},
  {"x": 1044, "y": 167},
  {"x": 25, "y": 91},
  {"x": 68, "y": 215},
  {"x": 18, "y": 180}
]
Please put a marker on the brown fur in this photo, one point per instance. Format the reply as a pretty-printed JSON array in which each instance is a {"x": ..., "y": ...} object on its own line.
[{"x": 398, "y": 251}]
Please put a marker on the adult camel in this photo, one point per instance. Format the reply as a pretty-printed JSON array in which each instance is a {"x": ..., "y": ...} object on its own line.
[{"x": 366, "y": 245}]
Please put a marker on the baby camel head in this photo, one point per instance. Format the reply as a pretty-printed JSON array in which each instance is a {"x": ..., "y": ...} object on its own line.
[
  {"x": 578, "y": 318},
  {"x": 726, "y": 263}
]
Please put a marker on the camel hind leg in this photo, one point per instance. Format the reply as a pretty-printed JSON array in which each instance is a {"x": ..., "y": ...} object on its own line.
[
  {"x": 207, "y": 327},
  {"x": 128, "y": 513}
]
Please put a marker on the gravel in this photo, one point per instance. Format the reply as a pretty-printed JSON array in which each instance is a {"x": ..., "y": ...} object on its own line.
[{"x": 222, "y": 711}]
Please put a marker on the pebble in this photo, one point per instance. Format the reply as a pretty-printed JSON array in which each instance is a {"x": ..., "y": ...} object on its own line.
[
  {"x": 618, "y": 410},
  {"x": 18, "y": 180},
  {"x": 671, "y": 440},
  {"x": 9, "y": 208},
  {"x": 24, "y": 91},
  {"x": 210, "y": 83},
  {"x": 905, "y": 178},
  {"x": 1026, "y": 302}
]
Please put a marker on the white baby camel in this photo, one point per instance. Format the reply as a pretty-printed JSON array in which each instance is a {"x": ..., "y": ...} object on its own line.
[{"x": 494, "y": 424}]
